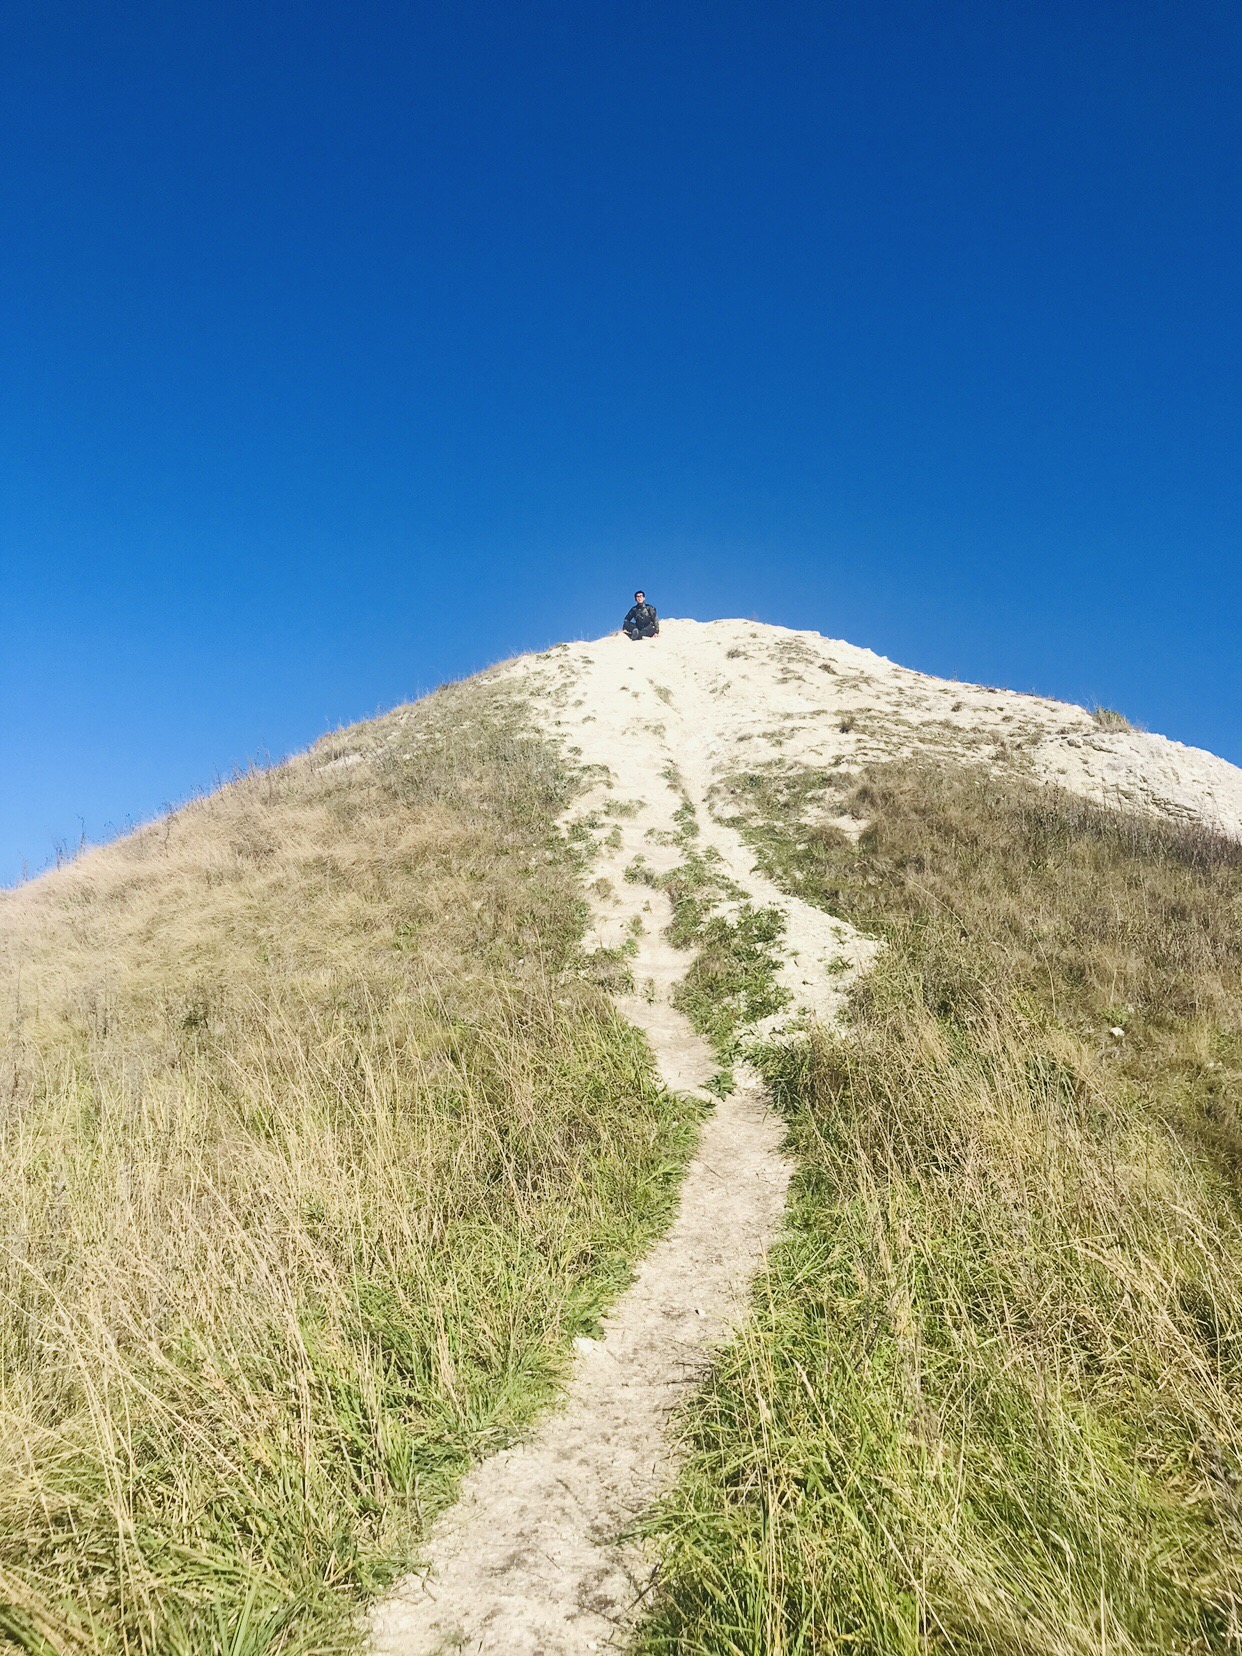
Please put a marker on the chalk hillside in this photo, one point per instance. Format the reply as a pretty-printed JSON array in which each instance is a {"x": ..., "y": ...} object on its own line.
[{"x": 748, "y": 695}]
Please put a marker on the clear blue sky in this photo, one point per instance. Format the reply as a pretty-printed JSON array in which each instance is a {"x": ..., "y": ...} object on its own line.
[{"x": 348, "y": 347}]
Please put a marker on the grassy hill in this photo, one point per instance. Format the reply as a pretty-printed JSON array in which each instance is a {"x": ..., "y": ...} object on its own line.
[{"x": 321, "y": 1140}]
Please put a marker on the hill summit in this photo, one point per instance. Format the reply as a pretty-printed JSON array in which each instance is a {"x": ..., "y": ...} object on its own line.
[{"x": 716, "y": 697}]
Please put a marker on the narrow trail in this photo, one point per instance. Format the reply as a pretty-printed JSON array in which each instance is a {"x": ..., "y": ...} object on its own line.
[{"x": 532, "y": 1560}]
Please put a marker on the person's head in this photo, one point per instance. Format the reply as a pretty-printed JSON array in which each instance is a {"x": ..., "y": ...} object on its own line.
[{"x": 640, "y": 597}]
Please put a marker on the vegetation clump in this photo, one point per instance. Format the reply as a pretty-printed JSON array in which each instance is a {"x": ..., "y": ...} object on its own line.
[
  {"x": 1108, "y": 718},
  {"x": 990, "y": 1395},
  {"x": 317, "y": 1148}
]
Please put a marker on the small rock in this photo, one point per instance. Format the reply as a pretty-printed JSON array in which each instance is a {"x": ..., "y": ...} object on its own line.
[{"x": 1118, "y": 1033}]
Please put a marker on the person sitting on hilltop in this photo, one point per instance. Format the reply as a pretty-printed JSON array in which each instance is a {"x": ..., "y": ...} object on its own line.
[{"x": 642, "y": 621}]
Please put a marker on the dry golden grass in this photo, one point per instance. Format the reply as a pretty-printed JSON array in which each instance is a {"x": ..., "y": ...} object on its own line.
[
  {"x": 991, "y": 1396},
  {"x": 316, "y": 1149}
]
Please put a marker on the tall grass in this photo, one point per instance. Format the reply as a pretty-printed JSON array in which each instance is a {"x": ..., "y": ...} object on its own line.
[
  {"x": 316, "y": 1149},
  {"x": 990, "y": 1396}
]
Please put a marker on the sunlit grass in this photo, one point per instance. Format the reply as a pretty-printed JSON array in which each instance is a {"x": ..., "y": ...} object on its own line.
[
  {"x": 990, "y": 1396},
  {"x": 316, "y": 1149}
]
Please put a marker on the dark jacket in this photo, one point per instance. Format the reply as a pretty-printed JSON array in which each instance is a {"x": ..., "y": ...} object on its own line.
[{"x": 642, "y": 616}]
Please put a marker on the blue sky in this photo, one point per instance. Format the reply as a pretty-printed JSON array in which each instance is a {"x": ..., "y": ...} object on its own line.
[{"x": 346, "y": 348}]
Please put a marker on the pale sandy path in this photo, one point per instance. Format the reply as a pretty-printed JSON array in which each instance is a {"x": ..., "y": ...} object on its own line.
[{"x": 532, "y": 1557}]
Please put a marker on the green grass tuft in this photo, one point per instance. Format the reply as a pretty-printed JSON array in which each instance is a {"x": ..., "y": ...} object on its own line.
[{"x": 1108, "y": 718}]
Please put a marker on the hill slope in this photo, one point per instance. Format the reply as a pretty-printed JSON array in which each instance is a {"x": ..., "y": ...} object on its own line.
[
  {"x": 324, "y": 1146},
  {"x": 319, "y": 1147}
]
